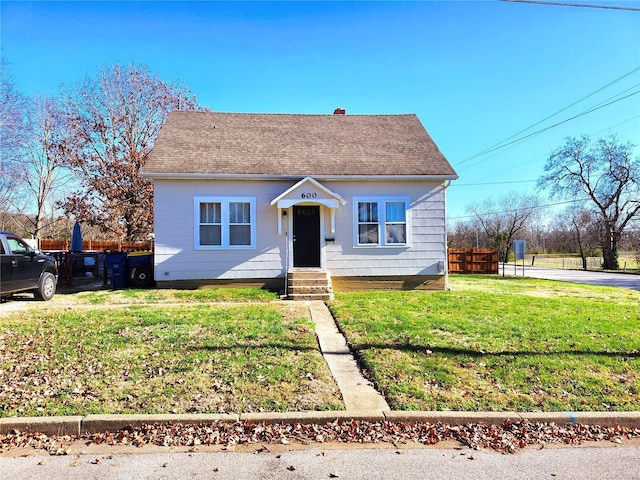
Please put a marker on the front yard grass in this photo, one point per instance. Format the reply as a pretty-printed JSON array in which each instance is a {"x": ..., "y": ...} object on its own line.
[
  {"x": 491, "y": 343},
  {"x": 165, "y": 358},
  {"x": 201, "y": 295},
  {"x": 498, "y": 344}
]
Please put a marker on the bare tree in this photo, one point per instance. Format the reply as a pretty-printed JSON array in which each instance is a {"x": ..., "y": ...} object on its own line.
[
  {"x": 13, "y": 132},
  {"x": 559, "y": 237},
  {"x": 585, "y": 231},
  {"x": 40, "y": 169},
  {"x": 113, "y": 122},
  {"x": 634, "y": 244},
  {"x": 501, "y": 221},
  {"x": 468, "y": 234},
  {"x": 604, "y": 174}
]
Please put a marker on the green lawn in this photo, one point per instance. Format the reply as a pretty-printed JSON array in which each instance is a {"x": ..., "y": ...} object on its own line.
[
  {"x": 166, "y": 358},
  {"x": 202, "y": 295},
  {"x": 491, "y": 343},
  {"x": 498, "y": 344}
]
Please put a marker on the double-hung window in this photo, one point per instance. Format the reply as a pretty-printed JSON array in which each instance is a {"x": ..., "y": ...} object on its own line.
[
  {"x": 225, "y": 223},
  {"x": 381, "y": 221}
]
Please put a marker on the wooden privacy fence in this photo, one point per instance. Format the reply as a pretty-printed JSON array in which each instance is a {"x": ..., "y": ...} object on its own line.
[
  {"x": 473, "y": 260},
  {"x": 95, "y": 245}
]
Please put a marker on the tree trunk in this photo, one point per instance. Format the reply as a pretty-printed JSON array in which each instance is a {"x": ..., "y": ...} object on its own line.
[
  {"x": 610, "y": 250},
  {"x": 506, "y": 253},
  {"x": 582, "y": 255}
]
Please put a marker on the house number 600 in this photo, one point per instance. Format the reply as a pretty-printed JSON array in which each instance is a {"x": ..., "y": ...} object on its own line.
[{"x": 309, "y": 195}]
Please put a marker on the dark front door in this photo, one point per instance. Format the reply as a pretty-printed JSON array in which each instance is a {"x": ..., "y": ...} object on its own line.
[{"x": 306, "y": 236}]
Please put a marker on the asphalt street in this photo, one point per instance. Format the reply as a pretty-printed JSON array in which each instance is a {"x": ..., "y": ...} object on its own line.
[
  {"x": 603, "y": 463},
  {"x": 626, "y": 280}
]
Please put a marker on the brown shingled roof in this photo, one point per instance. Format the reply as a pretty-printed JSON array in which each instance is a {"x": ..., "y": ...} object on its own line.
[{"x": 208, "y": 143}]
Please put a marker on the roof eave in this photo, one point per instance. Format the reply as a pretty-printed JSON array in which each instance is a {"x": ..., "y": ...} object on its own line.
[{"x": 236, "y": 176}]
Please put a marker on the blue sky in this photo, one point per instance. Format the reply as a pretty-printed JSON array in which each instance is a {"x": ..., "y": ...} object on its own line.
[{"x": 477, "y": 73}]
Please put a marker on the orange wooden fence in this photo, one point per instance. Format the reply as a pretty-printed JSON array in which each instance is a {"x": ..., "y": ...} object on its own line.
[
  {"x": 95, "y": 245},
  {"x": 473, "y": 260}
]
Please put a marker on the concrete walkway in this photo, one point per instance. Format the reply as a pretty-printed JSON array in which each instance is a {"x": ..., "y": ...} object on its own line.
[{"x": 357, "y": 393}]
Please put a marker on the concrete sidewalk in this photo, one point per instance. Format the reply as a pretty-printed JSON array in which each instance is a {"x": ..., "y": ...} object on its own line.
[{"x": 357, "y": 393}]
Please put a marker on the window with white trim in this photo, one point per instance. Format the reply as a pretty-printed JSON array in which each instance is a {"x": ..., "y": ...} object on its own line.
[
  {"x": 381, "y": 221},
  {"x": 224, "y": 223}
]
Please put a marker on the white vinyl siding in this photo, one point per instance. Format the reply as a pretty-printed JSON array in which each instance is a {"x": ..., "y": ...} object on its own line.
[
  {"x": 224, "y": 223},
  {"x": 177, "y": 230},
  {"x": 381, "y": 221}
]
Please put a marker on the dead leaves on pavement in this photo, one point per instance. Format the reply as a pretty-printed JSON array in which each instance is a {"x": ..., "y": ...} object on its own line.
[{"x": 506, "y": 438}]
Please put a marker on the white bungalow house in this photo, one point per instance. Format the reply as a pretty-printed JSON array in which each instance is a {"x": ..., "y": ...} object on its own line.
[{"x": 299, "y": 203}]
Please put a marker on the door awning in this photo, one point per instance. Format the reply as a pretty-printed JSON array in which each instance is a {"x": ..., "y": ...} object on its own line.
[
  {"x": 307, "y": 191},
  {"x": 310, "y": 192}
]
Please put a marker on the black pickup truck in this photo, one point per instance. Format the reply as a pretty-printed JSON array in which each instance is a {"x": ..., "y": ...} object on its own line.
[{"x": 24, "y": 269}]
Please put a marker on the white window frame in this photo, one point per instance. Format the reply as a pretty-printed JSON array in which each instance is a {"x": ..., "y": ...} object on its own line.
[
  {"x": 224, "y": 208},
  {"x": 382, "y": 221}
]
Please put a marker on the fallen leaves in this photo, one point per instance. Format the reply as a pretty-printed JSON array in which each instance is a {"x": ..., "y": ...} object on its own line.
[
  {"x": 262, "y": 449},
  {"x": 506, "y": 438},
  {"x": 156, "y": 359}
]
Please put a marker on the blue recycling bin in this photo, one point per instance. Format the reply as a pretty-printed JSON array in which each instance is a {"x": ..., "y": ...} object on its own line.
[{"x": 117, "y": 269}]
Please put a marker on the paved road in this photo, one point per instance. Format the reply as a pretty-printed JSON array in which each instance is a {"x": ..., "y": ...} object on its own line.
[
  {"x": 626, "y": 280},
  {"x": 603, "y": 463}
]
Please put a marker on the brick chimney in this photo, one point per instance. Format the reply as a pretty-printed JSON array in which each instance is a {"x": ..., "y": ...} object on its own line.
[{"x": 339, "y": 111}]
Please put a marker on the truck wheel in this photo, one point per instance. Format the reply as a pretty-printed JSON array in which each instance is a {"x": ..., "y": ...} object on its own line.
[
  {"x": 141, "y": 277},
  {"x": 47, "y": 288}
]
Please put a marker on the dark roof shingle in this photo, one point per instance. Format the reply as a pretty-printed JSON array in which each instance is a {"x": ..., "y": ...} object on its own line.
[{"x": 208, "y": 143}]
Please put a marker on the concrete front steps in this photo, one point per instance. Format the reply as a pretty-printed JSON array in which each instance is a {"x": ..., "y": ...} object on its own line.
[{"x": 309, "y": 285}]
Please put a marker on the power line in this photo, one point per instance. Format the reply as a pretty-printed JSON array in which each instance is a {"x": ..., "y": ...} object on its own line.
[
  {"x": 617, "y": 125},
  {"x": 559, "y": 111},
  {"x": 617, "y": 94},
  {"x": 499, "y": 147},
  {"x": 520, "y": 164},
  {"x": 492, "y": 147},
  {"x": 579, "y": 5},
  {"x": 517, "y": 165},
  {"x": 537, "y": 207},
  {"x": 494, "y": 155}
]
